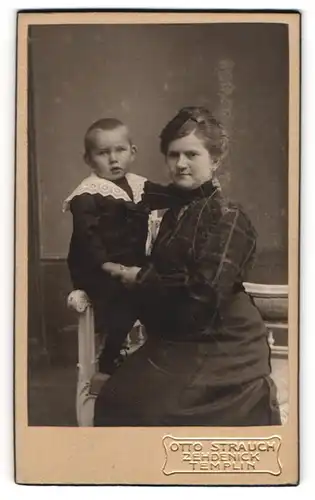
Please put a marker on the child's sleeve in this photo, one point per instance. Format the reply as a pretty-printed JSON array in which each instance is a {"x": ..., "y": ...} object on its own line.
[
  {"x": 156, "y": 196},
  {"x": 85, "y": 227}
]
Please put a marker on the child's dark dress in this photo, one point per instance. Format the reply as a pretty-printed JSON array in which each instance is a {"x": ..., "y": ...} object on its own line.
[{"x": 110, "y": 224}]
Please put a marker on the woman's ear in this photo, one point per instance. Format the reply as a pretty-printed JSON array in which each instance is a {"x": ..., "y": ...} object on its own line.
[{"x": 215, "y": 164}]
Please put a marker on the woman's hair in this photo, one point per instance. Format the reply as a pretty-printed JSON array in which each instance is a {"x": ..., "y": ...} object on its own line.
[{"x": 203, "y": 124}]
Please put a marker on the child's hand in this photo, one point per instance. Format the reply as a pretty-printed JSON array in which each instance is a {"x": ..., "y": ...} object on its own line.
[
  {"x": 129, "y": 275},
  {"x": 113, "y": 269}
]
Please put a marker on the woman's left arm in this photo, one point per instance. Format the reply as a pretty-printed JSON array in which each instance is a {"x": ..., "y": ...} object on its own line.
[{"x": 222, "y": 254}]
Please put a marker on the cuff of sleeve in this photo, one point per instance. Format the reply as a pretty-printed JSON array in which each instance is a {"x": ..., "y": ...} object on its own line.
[
  {"x": 145, "y": 274},
  {"x": 100, "y": 259}
]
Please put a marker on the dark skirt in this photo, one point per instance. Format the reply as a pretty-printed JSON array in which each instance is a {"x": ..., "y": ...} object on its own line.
[{"x": 171, "y": 384}]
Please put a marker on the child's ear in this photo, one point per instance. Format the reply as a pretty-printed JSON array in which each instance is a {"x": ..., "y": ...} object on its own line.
[{"x": 134, "y": 151}]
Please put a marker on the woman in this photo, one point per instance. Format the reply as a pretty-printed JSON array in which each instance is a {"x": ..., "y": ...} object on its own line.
[{"x": 207, "y": 358}]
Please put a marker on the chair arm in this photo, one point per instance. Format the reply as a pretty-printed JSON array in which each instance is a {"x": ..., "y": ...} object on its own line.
[
  {"x": 78, "y": 301},
  {"x": 271, "y": 300}
]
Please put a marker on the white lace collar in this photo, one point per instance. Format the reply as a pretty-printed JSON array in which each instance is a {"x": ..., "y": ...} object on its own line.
[{"x": 96, "y": 185}]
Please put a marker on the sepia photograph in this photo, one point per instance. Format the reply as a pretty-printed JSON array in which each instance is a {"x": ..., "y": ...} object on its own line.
[{"x": 158, "y": 195}]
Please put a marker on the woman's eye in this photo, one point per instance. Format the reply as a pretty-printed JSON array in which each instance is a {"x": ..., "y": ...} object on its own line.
[{"x": 191, "y": 154}]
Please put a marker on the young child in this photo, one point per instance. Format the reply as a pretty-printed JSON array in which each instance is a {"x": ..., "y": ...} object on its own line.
[{"x": 110, "y": 210}]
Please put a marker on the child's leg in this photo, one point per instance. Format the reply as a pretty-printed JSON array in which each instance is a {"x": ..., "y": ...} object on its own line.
[
  {"x": 117, "y": 320},
  {"x": 110, "y": 357}
]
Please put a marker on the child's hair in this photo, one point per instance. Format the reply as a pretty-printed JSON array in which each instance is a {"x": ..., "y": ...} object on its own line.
[
  {"x": 206, "y": 127},
  {"x": 102, "y": 124}
]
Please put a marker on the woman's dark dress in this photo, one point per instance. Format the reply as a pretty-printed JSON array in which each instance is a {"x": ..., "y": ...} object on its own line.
[{"x": 207, "y": 358}]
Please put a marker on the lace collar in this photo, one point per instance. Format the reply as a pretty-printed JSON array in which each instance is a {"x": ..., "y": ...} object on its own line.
[{"x": 97, "y": 185}]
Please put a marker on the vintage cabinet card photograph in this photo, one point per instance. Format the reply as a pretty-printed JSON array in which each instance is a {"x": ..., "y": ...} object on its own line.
[{"x": 156, "y": 258}]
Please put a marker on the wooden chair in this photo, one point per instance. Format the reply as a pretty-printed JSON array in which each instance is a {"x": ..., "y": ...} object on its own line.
[
  {"x": 272, "y": 301},
  {"x": 89, "y": 346}
]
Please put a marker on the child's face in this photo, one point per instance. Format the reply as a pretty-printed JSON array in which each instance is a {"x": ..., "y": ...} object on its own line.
[
  {"x": 110, "y": 153},
  {"x": 189, "y": 162}
]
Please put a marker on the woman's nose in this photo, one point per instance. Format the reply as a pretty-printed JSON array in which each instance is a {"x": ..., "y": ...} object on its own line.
[{"x": 181, "y": 162}]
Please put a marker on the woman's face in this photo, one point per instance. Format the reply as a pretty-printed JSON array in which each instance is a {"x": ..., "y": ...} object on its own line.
[{"x": 189, "y": 162}]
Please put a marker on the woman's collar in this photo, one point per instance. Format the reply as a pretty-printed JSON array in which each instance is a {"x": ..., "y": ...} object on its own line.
[{"x": 203, "y": 191}]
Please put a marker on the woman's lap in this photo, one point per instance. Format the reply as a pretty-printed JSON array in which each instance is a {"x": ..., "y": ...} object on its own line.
[{"x": 155, "y": 388}]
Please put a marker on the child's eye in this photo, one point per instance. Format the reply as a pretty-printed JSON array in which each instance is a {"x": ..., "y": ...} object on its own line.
[
  {"x": 120, "y": 149},
  {"x": 172, "y": 155}
]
